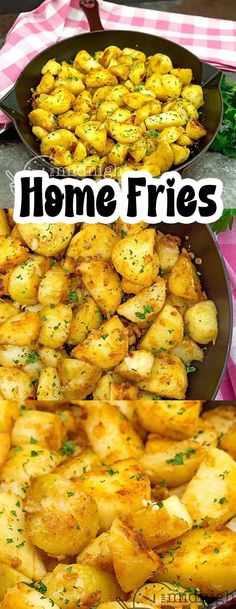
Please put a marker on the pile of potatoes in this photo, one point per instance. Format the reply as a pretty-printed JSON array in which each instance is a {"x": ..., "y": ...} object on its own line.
[
  {"x": 116, "y": 111},
  {"x": 110, "y": 502},
  {"x": 112, "y": 312},
  {"x": 116, "y": 312}
]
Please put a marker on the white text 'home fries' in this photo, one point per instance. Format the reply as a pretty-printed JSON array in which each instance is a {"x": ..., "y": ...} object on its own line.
[
  {"x": 102, "y": 502},
  {"x": 113, "y": 312},
  {"x": 116, "y": 111}
]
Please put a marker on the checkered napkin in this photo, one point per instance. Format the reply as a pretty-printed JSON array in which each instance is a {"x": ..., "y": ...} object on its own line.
[
  {"x": 227, "y": 242},
  {"x": 212, "y": 40}
]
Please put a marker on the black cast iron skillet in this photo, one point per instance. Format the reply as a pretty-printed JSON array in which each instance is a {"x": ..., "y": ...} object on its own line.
[{"x": 17, "y": 105}]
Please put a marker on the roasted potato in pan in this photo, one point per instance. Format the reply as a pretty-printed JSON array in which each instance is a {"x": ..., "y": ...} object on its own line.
[
  {"x": 119, "y": 108},
  {"x": 108, "y": 311}
]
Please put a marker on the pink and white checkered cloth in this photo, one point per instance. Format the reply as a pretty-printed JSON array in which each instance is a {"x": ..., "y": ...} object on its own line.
[
  {"x": 227, "y": 242},
  {"x": 212, "y": 40}
]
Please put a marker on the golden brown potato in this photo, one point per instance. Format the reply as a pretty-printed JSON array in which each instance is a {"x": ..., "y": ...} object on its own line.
[
  {"x": 188, "y": 351},
  {"x": 133, "y": 256},
  {"x": 4, "y": 226},
  {"x": 54, "y": 287},
  {"x": 46, "y": 239},
  {"x": 133, "y": 560},
  {"x": 25, "y": 279},
  {"x": 98, "y": 554},
  {"x": 9, "y": 578},
  {"x": 55, "y": 325},
  {"x": 107, "y": 431},
  {"x": 7, "y": 309},
  {"x": 136, "y": 365},
  {"x": 60, "y": 518},
  {"x": 27, "y": 462},
  {"x": 78, "y": 378},
  {"x": 143, "y": 308},
  {"x": 15, "y": 384},
  {"x": 183, "y": 561},
  {"x": 43, "y": 119},
  {"x": 105, "y": 347},
  {"x": 166, "y": 331},
  {"x": 210, "y": 495},
  {"x": 16, "y": 549},
  {"x": 93, "y": 133},
  {"x": 183, "y": 280},
  {"x": 201, "y": 322},
  {"x": 168, "y": 377},
  {"x": 171, "y": 419},
  {"x": 194, "y": 94},
  {"x": 93, "y": 241},
  {"x": 160, "y": 63},
  {"x": 172, "y": 462},
  {"x": 22, "y": 596},
  {"x": 75, "y": 467},
  {"x": 44, "y": 428},
  {"x": 12, "y": 252},
  {"x": 103, "y": 284},
  {"x": 21, "y": 329},
  {"x": 85, "y": 317}
]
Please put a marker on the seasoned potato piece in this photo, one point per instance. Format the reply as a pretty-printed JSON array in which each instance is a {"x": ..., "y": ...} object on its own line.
[
  {"x": 80, "y": 152},
  {"x": 103, "y": 284},
  {"x": 11, "y": 253},
  {"x": 136, "y": 365},
  {"x": 170, "y": 134},
  {"x": 55, "y": 325},
  {"x": 19, "y": 552},
  {"x": 133, "y": 560},
  {"x": 210, "y": 496},
  {"x": 59, "y": 155},
  {"x": 124, "y": 133},
  {"x": 168, "y": 250},
  {"x": 60, "y": 137},
  {"x": 159, "y": 160},
  {"x": 168, "y": 377},
  {"x": 84, "y": 581},
  {"x": 106, "y": 109},
  {"x": 143, "y": 308},
  {"x": 97, "y": 554},
  {"x": 60, "y": 518},
  {"x": 74, "y": 84},
  {"x": 123, "y": 229},
  {"x": 194, "y": 94},
  {"x": 160, "y": 64},
  {"x": 161, "y": 521},
  {"x": 195, "y": 130},
  {"x": 42, "y": 118},
  {"x": 185, "y": 75},
  {"x": 107, "y": 430},
  {"x": 183, "y": 280},
  {"x": 221, "y": 418},
  {"x": 133, "y": 256},
  {"x": 21, "y": 329},
  {"x": 111, "y": 52},
  {"x": 46, "y": 239},
  {"x": 9, "y": 578},
  {"x": 15, "y": 384},
  {"x": 70, "y": 120},
  {"x": 85, "y": 61},
  {"x": 177, "y": 420},
  {"x": 78, "y": 378},
  {"x": 7, "y": 310},
  {"x": 118, "y": 490},
  {"x": 76, "y": 466},
  {"x": 93, "y": 133},
  {"x": 162, "y": 120},
  {"x": 117, "y": 154},
  {"x": 166, "y": 331},
  {"x": 105, "y": 347},
  {"x": 100, "y": 77},
  {"x": 45, "y": 428},
  {"x": 134, "y": 54},
  {"x": 123, "y": 391},
  {"x": 85, "y": 318},
  {"x": 172, "y": 85},
  {"x": 22, "y": 596},
  {"x": 46, "y": 84},
  {"x": 201, "y": 322},
  {"x": 28, "y": 462},
  {"x": 83, "y": 102},
  {"x": 184, "y": 140},
  {"x": 193, "y": 561},
  {"x": 181, "y": 154},
  {"x": 188, "y": 351},
  {"x": 85, "y": 167},
  {"x": 59, "y": 101},
  {"x": 93, "y": 241},
  {"x": 54, "y": 287},
  {"x": 175, "y": 463},
  {"x": 25, "y": 279},
  {"x": 51, "y": 66}
]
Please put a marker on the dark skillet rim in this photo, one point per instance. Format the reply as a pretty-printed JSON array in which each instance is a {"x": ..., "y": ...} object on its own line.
[{"x": 155, "y": 37}]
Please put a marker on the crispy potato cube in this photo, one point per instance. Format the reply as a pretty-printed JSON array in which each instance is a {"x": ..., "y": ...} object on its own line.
[
  {"x": 97, "y": 554},
  {"x": 133, "y": 560},
  {"x": 78, "y": 378},
  {"x": 221, "y": 418},
  {"x": 177, "y": 420},
  {"x": 168, "y": 377},
  {"x": 46, "y": 84},
  {"x": 7, "y": 310},
  {"x": 54, "y": 287},
  {"x": 9, "y": 577},
  {"x": 76, "y": 466},
  {"x": 194, "y": 94},
  {"x": 161, "y": 521},
  {"x": 168, "y": 250},
  {"x": 166, "y": 331},
  {"x": 107, "y": 430},
  {"x": 85, "y": 582},
  {"x": 117, "y": 490},
  {"x": 185, "y": 75},
  {"x": 52, "y": 66},
  {"x": 85, "y": 318},
  {"x": 57, "y": 102},
  {"x": 42, "y": 118},
  {"x": 27, "y": 463},
  {"x": 162, "y": 120},
  {"x": 25, "y": 279},
  {"x": 93, "y": 241},
  {"x": 143, "y": 308},
  {"x": 181, "y": 154},
  {"x": 105, "y": 347},
  {"x": 183, "y": 280},
  {"x": 123, "y": 391},
  {"x": 103, "y": 284},
  {"x": 201, "y": 558},
  {"x": 49, "y": 387},
  {"x": 210, "y": 496},
  {"x": 133, "y": 256},
  {"x": 60, "y": 137},
  {"x": 124, "y": 133},
  {"x": 136, "y": 365},
  {"x": 21, "y": 329},
  {"x": 21, "y": 596},
  {"x": 44, "y": 427},
  {"x": 55, "y": 325},
  {"x": 46, "y": 239},
  {"x": 195, "y": 130},
  {"x": 19, "y": 552},
  {"x": 93, "y": 133},
  {"x": 117, "y": 154},
  {"x": 100, "y": 77},
  {"x": 201, "y": 322},
  {"x": 174, "y": 463},
  {"x": 60, "y": 517},
  {"x": 15, "y": 384},
  {"x": 188, "y": 351},
  {"x": 12, "y": 253}
]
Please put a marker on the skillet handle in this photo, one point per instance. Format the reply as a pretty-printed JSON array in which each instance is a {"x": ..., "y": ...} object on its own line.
[{"x": 91, "y": 11}]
